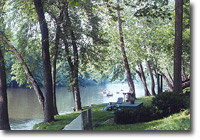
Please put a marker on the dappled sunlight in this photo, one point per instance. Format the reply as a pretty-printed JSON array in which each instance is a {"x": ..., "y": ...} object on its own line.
[{"x": 127, "y": 60}]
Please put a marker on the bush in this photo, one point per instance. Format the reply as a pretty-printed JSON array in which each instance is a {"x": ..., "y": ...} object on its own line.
[
  {"x": 163, "y": 105},
  {"x": 141, "y": 114},
  {"x": 125, "y": 116},
  {"x": 186, "y": 90},
  {"x": 169, "y": 103}
]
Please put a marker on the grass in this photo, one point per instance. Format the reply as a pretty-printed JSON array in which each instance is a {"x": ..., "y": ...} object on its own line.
[
  {"x": 61, "y": 121},
  {"x": 179, "y": 121},
  {"x": 58, "y": 124}
]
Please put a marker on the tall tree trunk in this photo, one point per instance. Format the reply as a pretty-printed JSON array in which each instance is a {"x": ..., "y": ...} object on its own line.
[
  {"x": 178, "y": 46},
  {"x": 27, "y": 71},
  {"x": 143, "y": 79},
  {"x": 125, "y": 61},
  {"x": 73, "y": 64},
  {"x": 4, "y": 121},
  {"x": 74, "y": 73},
  {"x": 55, "y": 54},
  {"x": 54, "y": 59},
  {"x": 77, "y": 97},
  {"x": 152, "y": 79},
  {"x": 48, "y": 106},
  {"x": 69, "y": 59}
]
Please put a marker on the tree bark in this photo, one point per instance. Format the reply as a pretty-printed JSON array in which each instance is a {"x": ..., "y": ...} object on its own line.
[
  {"x": 72, "y": 63},
  {"x": 76, "y": 90},
  {"x": 54, "y": 59},
  {"x": 74, "y": 73},
  {"x": 48, "y": 106},
  {"x": 185, "y": 77},
  {"x": 152, "y": 79},
  {"x": 69, "y": 59},
  {"x": 178, "y": 46},
  {"x": 143, "y": 79},
  {"x": 4, "y": 121},
  {"x": 124, "y": 57},
  {"x": 168, "y": 83},
  {"x": 170, "y": 76},
  {"x": 27, "y": 71},
  {"x": 186, "y": 84},
  {"x": 55, "y": 53},
  {"x": 77, "y": 97}
]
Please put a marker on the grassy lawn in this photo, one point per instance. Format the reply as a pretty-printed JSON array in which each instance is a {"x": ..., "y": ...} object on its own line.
[{"x": 180, "y": 121}]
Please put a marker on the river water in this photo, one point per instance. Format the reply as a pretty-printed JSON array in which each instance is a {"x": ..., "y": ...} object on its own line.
[{"x": 25, "y": 111}]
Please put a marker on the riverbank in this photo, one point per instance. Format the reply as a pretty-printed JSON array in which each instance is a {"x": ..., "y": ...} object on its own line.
[{"x": 179, "y": 121}]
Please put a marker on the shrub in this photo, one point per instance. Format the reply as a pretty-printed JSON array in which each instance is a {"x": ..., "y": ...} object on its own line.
[
  {"x": 125, "y": 116},
  {"x": 148, "y": 114},
  {"x": 163, "y": 105},
  {"x": 141, "y": 114},
  {"x": 169, "y": 103}
]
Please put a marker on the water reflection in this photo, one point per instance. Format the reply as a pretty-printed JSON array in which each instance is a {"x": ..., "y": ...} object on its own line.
[{"x": 23, "y": 104}]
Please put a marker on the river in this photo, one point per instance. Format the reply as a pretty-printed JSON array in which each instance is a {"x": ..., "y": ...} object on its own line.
[{"x": 24, "y": 109}]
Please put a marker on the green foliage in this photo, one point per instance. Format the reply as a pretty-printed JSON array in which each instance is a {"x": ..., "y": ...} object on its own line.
[
  {"x": 155, "y": 9},
  {"x": 126, "y": 116},
  {"x": 2, "y": 16},
  {"x": 186, "y": 37},
  {"x": 146, "y": 38},
  {"x": 28, "y": 45},
  {"x": 141, "y": 114},
  {"x": 95, "y": 28},
  {"x": 169, "y": 103},
  {"x": 74, "y": 3},
  {"x": 186, "y": 90}
]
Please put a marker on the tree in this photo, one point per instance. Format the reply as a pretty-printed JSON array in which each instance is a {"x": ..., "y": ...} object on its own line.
[
  {"x": 143, "y": 79},
  {"x": 48, "y": 106},
  {"x": 27, "y": 71},
  {"x": 74, "y": 64},
  {"x": 178, "y": 46},
  {"x": 55, "y": 55},
  {"x": 155, "y": 33},
  {"x": 54, "y": 58},
  {"x": 82, "y": 43},
  {"x": 125, "y": 60},
  {"x": 4, "y": 121},
  {"x": 138, "y": 35},
  {"x": 152, "y": 79}
]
